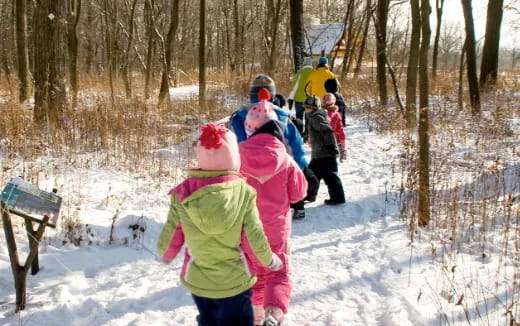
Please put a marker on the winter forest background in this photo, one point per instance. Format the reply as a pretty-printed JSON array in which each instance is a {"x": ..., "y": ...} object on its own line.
[{"x": 103, "y": 99}]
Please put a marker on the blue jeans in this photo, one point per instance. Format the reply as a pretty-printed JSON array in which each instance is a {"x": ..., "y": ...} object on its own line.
[{"x": 236, "y": 310}]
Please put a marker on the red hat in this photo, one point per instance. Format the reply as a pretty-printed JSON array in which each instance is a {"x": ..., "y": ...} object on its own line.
[{"x": 217, "y": 148}]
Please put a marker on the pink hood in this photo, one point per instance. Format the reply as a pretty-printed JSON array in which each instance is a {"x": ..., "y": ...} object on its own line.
[{"x": 263, "y": 156}]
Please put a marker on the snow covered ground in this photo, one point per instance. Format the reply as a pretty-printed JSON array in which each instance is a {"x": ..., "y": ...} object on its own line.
[{"x": 352, "y": 264}]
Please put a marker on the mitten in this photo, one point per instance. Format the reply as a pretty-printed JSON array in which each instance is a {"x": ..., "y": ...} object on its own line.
[
  {"x": 276, "y": 263},
  {"x": 342, "y": 153}
]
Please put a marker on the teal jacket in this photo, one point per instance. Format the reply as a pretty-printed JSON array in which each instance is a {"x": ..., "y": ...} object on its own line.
[{"x": 214, "y": 214}]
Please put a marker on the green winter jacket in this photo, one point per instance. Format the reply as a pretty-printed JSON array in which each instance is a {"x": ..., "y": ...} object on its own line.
[
  {"x": 210, "y": 210},
  {"x": 299, "y": 81}
]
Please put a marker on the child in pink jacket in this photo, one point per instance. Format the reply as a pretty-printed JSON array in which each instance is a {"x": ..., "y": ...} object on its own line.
[
  {"x": 278, "y": 182},
  {"x": 329, "y": 103}
]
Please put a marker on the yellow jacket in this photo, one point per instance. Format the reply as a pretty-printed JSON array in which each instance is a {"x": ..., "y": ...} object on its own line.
[{"x": 316, "y": 82}]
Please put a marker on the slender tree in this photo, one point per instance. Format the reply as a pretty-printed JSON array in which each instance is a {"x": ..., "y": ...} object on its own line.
[
  {"x": 22, "y": 51},
  {"x": 150, "y": 34},
  {"x": 439, "y": 8},
  {"x": 359, "y": 60},
  {"x": 73, "y": 14},
  {"x": 381, "y": 20},
  {"x": 90, "y": 46},
  {"x": 413, "y": 61},
  {"x": 202, "y": 53},
  {"x": 471, "y": 57},
  {"x": 297, "y": 33},
  {"x": 164, "y": 91},
  {"x": 128, "y": 50},
  {"x": 274, "y": 15},
  {"x": 424, "y": 138},
  {"x": 489, "y": 66}
]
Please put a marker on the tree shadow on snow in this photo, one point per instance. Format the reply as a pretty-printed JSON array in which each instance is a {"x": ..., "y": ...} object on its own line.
[{"x": 322, "y": 218}]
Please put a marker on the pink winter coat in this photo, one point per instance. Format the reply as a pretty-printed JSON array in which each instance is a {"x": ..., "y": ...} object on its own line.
[
  {"x": 278, "y": 182},
  {"x": 336, "y": 124},
  {"x": 277, "y": 179}
]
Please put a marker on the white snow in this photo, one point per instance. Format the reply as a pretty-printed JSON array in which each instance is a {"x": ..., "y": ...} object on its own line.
[{"x": 352, "y": 264}]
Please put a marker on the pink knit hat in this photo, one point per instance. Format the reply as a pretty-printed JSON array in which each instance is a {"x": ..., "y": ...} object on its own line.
[
  {"x": 217, "y": 149},
  {"x": 329, "y": 99},
  {"x": 260, "y": 113}
]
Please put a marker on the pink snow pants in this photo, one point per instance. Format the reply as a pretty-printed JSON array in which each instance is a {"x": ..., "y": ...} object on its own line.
[{"x": 273, "y": 288}]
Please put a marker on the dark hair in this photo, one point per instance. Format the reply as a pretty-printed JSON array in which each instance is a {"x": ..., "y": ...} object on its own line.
[
  {"x": 279, "y": 100},
  {"x": 331, "y": 85},
  {"x": 322, "y": 65}
]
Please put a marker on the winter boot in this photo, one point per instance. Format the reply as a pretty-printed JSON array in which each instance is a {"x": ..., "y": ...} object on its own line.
[
  {"x": 333, "y": 202},
  {"x": 298, "y": 214}
]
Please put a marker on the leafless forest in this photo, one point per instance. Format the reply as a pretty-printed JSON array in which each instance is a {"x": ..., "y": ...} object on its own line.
[{"x": 79, "y": 76}]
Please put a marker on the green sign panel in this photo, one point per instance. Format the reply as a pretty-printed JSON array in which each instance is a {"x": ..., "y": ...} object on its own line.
[{"x": 25, "y": 197}]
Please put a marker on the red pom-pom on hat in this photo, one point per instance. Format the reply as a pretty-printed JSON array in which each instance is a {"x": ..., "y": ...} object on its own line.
[
  {"x": 263, "y": 94},
  {"x": 212, "y": 135}
]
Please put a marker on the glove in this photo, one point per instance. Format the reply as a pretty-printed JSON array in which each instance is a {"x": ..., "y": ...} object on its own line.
[
  {"x": 291, "y": 102},
  {"x": 275, "y": 264},
  {"x": 342, "y": 154}
]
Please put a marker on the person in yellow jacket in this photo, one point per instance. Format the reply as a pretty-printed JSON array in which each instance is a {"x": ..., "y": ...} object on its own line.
[{"x": 316, "y": 82}]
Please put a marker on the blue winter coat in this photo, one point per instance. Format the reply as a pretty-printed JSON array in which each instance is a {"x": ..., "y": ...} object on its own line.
[{"x": 291, "y": 135}]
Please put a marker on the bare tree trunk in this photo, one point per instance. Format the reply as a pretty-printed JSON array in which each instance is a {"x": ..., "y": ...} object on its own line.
[
  {"x": 4, "y": 38},
  {"x": 50, "y": 97},
  {"x": 471, "y": 56},
  {"x": 22, "y": 50},
  {"x": 489, "y": 67},
  {"x": 413, "y": 60},
  {"x": 164, "y": 92},
  {"x": 359, "y": 61},
  {"x": 350, "y": 30},
  {"x": 126, "y": 63},
  {"x": 424, "y": 138},
  {"x": 109, "y": 50},
  {"x": 237, "y": 36},
  {"x": 276, "y": 10},
  {"x": 202, "y": 53},
  {"x": 460, "y": 102},
  {"x": 382, "y": 17},
  {"x": 73, "y": 14},
  {"x": 148, "y": 12},
  {"x": 89, "y": 41},
  {"x": 439, "y": 7},
  {"x": 297, "y": 33},
  {"x": 352, "y": 51}
]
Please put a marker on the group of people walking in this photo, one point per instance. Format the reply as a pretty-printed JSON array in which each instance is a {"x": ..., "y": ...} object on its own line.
[{"x": 233, "y": 213}]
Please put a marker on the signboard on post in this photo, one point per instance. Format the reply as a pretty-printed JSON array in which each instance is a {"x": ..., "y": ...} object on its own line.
[
  {"x": 34, "y": 205},
  {"x": 25, "y": 197}
]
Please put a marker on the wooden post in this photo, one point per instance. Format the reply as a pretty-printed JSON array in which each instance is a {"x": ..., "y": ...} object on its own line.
[
  {"x": 19, "y": 271},
  {"x": 19, "y": 283},
  {"x": 35, "y": 266}
]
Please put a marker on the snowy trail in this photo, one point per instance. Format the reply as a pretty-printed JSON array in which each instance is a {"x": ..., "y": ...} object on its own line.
[
  {"x": 350, "y": 263},
  {"x": 347, "y": 261}
]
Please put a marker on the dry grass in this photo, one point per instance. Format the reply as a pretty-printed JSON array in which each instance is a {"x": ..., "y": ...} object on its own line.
[
  {"x": 475, "y": 201},
  {"x": 475, "y": 164}
]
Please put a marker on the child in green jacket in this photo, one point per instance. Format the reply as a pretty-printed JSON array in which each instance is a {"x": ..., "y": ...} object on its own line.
[{"x": 214, "y": 213}]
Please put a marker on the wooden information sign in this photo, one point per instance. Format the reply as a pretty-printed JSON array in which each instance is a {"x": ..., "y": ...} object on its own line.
[{"x": 34, "y": 206}]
